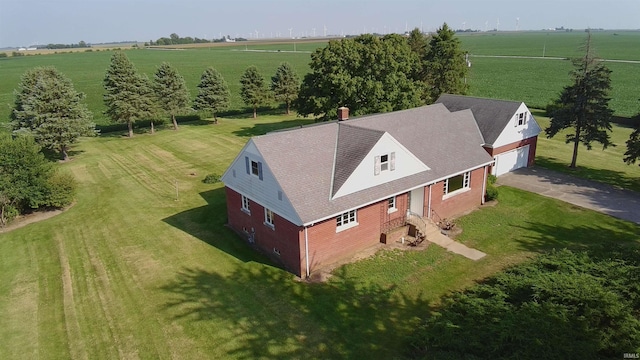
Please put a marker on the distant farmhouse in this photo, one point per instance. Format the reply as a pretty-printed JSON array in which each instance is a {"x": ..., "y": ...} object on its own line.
[{"x": 313, "y": 195}]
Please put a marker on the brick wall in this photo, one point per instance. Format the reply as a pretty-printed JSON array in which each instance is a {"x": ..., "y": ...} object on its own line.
[
  {"x": 285, "y": 237},
  {"x": 460, "y": 202}
]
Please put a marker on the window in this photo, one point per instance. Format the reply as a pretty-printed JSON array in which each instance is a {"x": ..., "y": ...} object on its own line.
[
  {"x": 253, "y": 167},
  {"x": 346, "y": 220},
  {"x": 391, "y": 205},
  {"x": 386, "y": 162},
  {"x": 456, "y": 183},
  {"x": 245, "y": 205},
  {"x": 268, "y": 218},
  {"x": 521, "y": 119}
]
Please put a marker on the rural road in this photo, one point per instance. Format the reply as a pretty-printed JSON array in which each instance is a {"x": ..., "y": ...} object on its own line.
[{"x": 620, "y": 203}]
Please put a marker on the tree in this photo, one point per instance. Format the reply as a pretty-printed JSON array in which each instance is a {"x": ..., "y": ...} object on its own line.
[
  {"x": 253, "y": 89},
  {"x": 48, "y": 106},
  {"x": 367, "y": 73},
  {"x": 562, "y": 305},
  {"x": 446, "y": 65},
  {"x": 633, "y": 144},
  {"x": 419, "y": 44},
  {"x": 129, "y": 96},
  {"x": 213, "y": 93},
  {"x": 27, "y": 180},
  {"x": 171, "y": 92},
  {"x": 285, "y": 84},
  {"x": 584, "y": 105}
]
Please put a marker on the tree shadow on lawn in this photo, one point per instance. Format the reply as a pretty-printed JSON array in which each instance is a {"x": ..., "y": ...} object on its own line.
[
  {"x": 262, "y": 128},
  {"x": 594, "y": 237},
  {"x": 611, "y": 177},
  {"x": 207, "y": 223},
  {"x": 274, "y": 317}
]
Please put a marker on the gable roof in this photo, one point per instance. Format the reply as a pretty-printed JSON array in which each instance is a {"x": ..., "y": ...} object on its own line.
[
  {"x": 309, "y": 163},
  {"x": 491, "y": 115}
]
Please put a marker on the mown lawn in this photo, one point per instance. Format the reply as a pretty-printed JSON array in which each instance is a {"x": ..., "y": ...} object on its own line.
[
  {"x": 132, "y": 272},
  {"x": 604, "y": 166}
]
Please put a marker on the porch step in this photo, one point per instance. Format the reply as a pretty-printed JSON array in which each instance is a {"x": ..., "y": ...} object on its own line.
[{"x": 435, "y": 236}]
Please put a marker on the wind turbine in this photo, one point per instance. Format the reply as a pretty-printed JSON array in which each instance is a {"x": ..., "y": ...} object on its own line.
[
  {"x": 498, "y": 25},
  {"x": 325, "y": 30},
  {"x": 256, "y": 34},
  {"x": 290, "y": 30},
  {"x": 517, "y": 23},
  {"x": 464, "y": 23}
]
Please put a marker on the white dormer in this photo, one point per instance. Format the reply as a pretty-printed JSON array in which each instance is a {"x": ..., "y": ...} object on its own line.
[{"x": 388, "y": 160}]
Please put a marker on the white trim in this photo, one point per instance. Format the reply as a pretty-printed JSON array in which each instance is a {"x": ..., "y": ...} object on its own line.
[
  {"x": 484, "y": 186},
  {"x": 306, "y": 249},
  {"x": 429, "y": 203},
  {"x": 454, "y": 193},
  {"x": 395, "y": 194},
  {"x": 350, "y": 223},
  {"x": 294, "y": 222}
]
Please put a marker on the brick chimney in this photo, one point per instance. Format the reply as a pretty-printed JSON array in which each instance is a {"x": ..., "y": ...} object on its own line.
[{"x": 343, "y": 113}]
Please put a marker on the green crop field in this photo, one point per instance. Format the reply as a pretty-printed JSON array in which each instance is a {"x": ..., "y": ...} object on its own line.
[{"x": 534, "y": 81}]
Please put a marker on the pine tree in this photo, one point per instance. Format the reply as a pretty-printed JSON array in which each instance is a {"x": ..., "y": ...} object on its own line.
[
  {"x": 253, "y": 89},
  {"x": 48, "y": 106},
  {"x": 128, "y": 96},
  {"x": 633, "y": 144},
  {"x": 213, "y": 93},
  {"x": 171, "y": 92},
  {"x": 584, "y": 105},
  {"x": 285, "y": 84},
  {"x": 446, "y": 66}
]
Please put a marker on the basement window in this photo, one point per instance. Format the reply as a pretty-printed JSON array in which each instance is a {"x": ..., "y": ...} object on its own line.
[{"x": 346, "y": 220}]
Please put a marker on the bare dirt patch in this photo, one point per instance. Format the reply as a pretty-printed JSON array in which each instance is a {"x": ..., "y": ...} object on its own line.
[{"x": 24, "y": 220}]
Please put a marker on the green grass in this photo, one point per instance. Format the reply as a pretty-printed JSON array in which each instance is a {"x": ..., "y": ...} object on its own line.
[
  {"x": 605, "y": 166},
  {"x": 131, "y": 272}
]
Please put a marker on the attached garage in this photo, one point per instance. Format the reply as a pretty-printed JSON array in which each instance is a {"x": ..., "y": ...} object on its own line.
[{"x": 511, "y": 160}]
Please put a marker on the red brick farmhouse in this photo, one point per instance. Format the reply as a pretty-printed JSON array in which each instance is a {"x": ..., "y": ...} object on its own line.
[{"x": 312, "y": 195}]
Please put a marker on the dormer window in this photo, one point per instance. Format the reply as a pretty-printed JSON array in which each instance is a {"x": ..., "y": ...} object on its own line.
[
  {"x": 253, "y": 167},
  {"x": 385, "y": 162}
]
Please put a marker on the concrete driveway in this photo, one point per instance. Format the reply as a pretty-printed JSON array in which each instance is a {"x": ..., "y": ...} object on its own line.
[{"x": 623, "y": 204}]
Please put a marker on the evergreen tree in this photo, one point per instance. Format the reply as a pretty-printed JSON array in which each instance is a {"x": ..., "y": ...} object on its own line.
[
  {"x": 446, "y": 65},
  {"x": 48, "y": 106},
  {"x": 171, "y": 92},
  {"x": 584, "y": 105},
  {"x": 285, "y": 84},
  {"x": 633, "y": 144},
  {"x": 367, "y": 73},
  {"x": 128, "y": 96},
  {"x": 253, "y": 89},
  {"x": 213, "y": 93},
  {"x": 419, "y": 44}
]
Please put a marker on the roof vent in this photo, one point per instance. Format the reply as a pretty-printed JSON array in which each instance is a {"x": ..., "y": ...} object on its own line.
[{"x": 343, "y": 113}]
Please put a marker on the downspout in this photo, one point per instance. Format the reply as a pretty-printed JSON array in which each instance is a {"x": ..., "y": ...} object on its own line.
[
  {"x": 484, "y": 185},
  {"x": 429, "y": 202},
  {"x": 306, "y": 250}
]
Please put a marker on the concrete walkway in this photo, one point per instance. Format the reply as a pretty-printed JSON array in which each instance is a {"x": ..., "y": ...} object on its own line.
[
  {"x": 620, "y": 203},
  {"x": 434, "y": 235}
]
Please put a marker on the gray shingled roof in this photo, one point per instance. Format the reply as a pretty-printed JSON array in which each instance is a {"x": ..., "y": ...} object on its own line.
[
  {"x": 353, "y": 144},
  {"x": 491, "y": 115},
  {"x": 302, "y": 160}
]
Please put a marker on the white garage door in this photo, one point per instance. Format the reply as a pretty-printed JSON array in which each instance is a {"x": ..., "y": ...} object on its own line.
[{"x": 511, "y": 160}]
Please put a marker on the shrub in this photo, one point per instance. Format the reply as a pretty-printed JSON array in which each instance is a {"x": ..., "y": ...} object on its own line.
[
  {"x": 3, "y": 55},
  {"x": 492, "y": 190},
  {"x": 211, "y": 179},
  {"x": 62, "y": 188}
]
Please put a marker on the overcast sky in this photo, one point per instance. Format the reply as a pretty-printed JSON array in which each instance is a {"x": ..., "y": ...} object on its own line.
[{"x": 28, "y": 22}]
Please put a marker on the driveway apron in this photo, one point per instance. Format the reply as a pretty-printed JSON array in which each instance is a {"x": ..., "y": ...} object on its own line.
[{"x": 620, "y": 203}]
